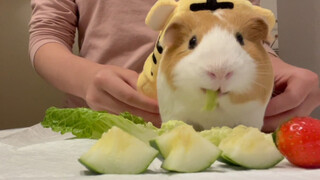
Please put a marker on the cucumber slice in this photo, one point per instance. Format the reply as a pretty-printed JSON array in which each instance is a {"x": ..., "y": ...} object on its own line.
[
  {"x": 250, "y": 148},
  {"x": 118, "y": 152},
  {"x": 184, "y": 150}
]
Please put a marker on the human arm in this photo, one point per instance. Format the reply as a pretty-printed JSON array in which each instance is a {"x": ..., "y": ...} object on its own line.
[{"x": 103, "y": 87}]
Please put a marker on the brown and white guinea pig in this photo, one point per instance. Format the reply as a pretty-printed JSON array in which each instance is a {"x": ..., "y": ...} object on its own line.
[{"x": 221, "y": 52}]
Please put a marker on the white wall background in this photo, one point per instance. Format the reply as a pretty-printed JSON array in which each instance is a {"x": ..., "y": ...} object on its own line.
[
  {"x": 299, "y": 34},
  {"x": 272, "y": 5},
  {"x": 24, "y": 96}
]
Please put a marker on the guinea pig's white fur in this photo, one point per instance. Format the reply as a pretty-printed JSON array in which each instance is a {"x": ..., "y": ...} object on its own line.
[{"x": 218, "y": 52}]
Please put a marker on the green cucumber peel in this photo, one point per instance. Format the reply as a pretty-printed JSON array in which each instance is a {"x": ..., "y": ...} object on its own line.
[
  {"x": 154, "y": 144},
  {"x": 225, "y": 159},
  {"x": 89, "y": 167}
]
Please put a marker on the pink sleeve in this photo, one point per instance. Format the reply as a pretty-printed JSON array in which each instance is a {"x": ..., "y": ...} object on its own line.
[{"x": 52, "y": 21}]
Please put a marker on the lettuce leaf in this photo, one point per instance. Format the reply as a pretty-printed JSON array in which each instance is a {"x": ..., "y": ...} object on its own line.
[
  {"x": 86, "y": 123},
  {"x": 133, "y": 118}
]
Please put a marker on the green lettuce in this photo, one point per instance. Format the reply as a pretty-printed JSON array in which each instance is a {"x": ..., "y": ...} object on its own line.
[
  {"x": 86, "y": 123},
  {"x": 133, "y": 118}
]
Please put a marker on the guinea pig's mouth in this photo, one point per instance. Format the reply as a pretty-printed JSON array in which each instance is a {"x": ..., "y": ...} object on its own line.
[{"x": 220, "y": 93}]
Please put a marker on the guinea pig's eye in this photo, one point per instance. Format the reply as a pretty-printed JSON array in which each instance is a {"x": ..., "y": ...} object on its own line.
[
  {"x": 193, "y": 42},
  {"x": 239, "y": 38}
]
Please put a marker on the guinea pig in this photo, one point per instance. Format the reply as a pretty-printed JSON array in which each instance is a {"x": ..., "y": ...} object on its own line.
[{"x": 220, "y": 51}]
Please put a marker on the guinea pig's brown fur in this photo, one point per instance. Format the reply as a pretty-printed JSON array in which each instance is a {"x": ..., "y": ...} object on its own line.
[{"x": 253, "y": 29}]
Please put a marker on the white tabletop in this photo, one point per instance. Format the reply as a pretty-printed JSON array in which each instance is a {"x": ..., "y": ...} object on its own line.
[{"x": 38, "y": 153}]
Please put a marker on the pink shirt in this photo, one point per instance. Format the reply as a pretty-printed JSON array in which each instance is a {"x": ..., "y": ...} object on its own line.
[{"x": 110, "y": 31}]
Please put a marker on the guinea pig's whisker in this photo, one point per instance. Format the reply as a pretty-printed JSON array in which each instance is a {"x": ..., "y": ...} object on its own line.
[
  {"x": 261, "y": 85},
  {"x": 263, "y": 70},
  {"x": 262, "y": 65},
  {"x": 181, "y": 52},
  {"x": 264, "y": 73}
]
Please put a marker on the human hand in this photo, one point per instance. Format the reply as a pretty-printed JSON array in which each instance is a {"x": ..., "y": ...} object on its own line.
[
  {"x": 114, "y": 89},
  {"x": 296, "y": 93}
]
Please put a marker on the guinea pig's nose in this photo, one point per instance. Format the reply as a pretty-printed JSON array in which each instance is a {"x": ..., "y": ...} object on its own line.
[{"x": 220, "y": 75}]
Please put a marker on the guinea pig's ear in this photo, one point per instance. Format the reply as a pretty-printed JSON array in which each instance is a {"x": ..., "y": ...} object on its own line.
[
  {"x": 255, "y": 29},
  {"x": 160, "y": 13},
  {"x": 267, "y": 15},
  {"x": 174, "y": 34}
]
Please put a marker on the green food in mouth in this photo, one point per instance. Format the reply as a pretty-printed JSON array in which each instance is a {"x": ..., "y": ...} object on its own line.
[{"x": 211, "y": 100}]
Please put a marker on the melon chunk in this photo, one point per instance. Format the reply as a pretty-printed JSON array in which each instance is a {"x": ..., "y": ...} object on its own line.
[
  {"x": 185, "y": 150},
  {"x": 250, "y": 148},
  {"x": 216, "y": 134},
  {"x": 118, "y": 152}
]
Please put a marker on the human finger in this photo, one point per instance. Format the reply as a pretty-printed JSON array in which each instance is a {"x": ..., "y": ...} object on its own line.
[
  {"x": 106, "y": 102},
  {"x": 118, "y": 87},
  {"x": 294, "y": 94},
  {"x": 305, "y": 109}
]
